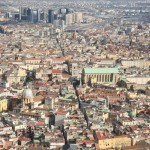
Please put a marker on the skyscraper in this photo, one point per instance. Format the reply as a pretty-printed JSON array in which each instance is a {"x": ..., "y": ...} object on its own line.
[
  {"x": 35, "y": 16},
  {"x": 59, "y": 23},
  {"x": 50, "y": 16},
  {"x": 41, "y": 16},
  {"x": 24, "y": 13},
  {"x": 78, "y": 17},
  {"x": 63, "y": 10},
  {"x": 68, "y": 19}
]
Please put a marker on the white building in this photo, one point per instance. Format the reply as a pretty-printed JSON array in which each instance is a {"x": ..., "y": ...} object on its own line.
[{"x": 69, "y": 19}]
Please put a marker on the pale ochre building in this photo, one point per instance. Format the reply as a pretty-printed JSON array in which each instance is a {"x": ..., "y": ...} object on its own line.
[
  {"x": 3, "y": 105},
  {"x": 138, "y": 80},
  {"x": 113, "y": 142},
  {"x": 100, "y": 75},
  {"x": 137, "y": 63},
  {"x": 147, "y": 91},
  {"x": 33, "y": 61},
  {"x": 16, "y": 76}
]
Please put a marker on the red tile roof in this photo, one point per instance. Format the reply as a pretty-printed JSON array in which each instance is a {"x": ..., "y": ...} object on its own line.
[{"x": 56, "y": 71}]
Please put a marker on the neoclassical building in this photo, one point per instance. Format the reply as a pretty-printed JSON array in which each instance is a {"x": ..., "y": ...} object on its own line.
[{"x": 100, "y": 75}]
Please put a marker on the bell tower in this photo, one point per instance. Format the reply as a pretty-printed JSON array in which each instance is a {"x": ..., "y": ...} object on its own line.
[{"x": 75, "y": 70}]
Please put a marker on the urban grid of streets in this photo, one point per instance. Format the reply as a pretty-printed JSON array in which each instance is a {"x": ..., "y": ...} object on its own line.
[{"x": 75, "y": 74}]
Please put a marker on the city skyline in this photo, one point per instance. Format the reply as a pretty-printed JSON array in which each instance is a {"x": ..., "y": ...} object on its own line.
[{"x": 75, "y": 75}]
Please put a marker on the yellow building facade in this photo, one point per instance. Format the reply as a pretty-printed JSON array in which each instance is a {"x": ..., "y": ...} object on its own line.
[
  {"x": 137, "y": 63},
  {"x": 3, "y": 105},
  {"x": 114, "y": 142},
  {"x": 16, "y": 76},
  {"x": 21, "y": 72}
]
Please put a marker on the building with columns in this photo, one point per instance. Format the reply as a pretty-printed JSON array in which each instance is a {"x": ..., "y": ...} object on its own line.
[{"x": 100, "y": 75}]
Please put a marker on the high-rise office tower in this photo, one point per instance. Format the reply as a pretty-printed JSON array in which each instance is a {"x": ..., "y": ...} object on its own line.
[
  {"x": 8, "y": 14},
  {"x": 56, "y": 16},
  {"x": 67, "y": 10},
  {"x": 39, "y": 16},
  {"x": 59, "y": 23},
  {"x": 73, "y": 17},
  {"x": 56, "y": 23},
  {"x": 29, "y": 13},
  {"x": 25, "y": 14},
  {"x": 50, "y": 16},
  {"x": 68, "y": 19},
  {"x": 63, "y": 10},
  {"x": 42, "y": 16},
  {"x": 60, "y": 16},
  {"x": 78, "y": 17},
  {"x": 34, "y": 16}
]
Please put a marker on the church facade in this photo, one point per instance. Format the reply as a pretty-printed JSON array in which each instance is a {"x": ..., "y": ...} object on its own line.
[{"x": 100, "y": 75}]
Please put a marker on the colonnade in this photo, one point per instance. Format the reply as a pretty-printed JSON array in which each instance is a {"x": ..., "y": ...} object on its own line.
[{"x": 101, "y": 78}]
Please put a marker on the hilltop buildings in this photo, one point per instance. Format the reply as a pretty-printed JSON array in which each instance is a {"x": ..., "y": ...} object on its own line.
[{"x": 84, "y": 87}]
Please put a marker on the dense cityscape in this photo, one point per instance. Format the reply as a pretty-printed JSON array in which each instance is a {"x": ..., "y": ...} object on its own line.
[{"x": 75, "y": 75}]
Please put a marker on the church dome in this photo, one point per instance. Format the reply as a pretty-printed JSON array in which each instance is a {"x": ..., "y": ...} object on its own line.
[{"x": 27, "y": 93}]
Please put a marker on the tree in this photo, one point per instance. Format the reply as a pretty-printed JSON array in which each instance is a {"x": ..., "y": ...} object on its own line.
[
  {"x": 121, "y": 83},
  {"x": 46, "y": 144},
  {"x": 103, "y": 41},
  {"x": 139, "y": 26},
  {"x": 50, "y": 77},
  {"x": 140, "y": 91},
  {"x": 148, "y": 82},
  {"x": 132, "y": 88},
  {"x": 89, "y": 82}
]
